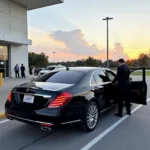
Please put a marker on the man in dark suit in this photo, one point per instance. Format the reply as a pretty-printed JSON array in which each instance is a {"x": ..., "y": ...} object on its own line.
[
  {"x": 22, "y": 68},
  {"x": 122, "y": 77}
]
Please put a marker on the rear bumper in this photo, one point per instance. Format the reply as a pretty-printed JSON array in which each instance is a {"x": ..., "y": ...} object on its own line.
[
  {"x": 12, "y": 117},
  {"x": 46, "y": 116},
  {"x": 43, "y": 116}
]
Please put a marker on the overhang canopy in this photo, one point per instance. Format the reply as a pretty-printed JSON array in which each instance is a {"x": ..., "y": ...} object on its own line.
[
  {"x": 11, "y": 40},
  {"x": 34, "y": 4}
]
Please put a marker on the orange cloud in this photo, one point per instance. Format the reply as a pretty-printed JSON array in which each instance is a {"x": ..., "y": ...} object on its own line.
[{"x": 69, "y": 46}]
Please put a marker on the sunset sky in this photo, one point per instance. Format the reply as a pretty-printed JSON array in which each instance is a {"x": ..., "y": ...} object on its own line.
[{"x": 75, "y": 30}]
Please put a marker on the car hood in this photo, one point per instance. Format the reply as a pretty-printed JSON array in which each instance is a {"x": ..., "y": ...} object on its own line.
[{"x": 46, "y": 86}]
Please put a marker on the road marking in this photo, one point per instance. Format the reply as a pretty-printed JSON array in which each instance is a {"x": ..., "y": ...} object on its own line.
[
  {"x": 103, "y": 134},
  {"x": 4, "y": 121}
]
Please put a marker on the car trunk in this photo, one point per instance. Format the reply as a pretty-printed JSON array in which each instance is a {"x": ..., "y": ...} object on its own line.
[{"x": 36, "y": 95}]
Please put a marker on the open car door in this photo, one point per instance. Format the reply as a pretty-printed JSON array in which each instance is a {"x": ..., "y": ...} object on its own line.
[{"x": 138, "y": 89}]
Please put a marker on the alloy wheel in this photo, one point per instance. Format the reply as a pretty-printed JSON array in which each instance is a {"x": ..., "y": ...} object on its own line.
[{"x": 92, "y": 116}]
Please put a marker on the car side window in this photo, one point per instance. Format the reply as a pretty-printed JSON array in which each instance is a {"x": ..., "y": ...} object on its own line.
[
  {"x": 93, "y": 81},
  {"x": 51, "y": 68},
  {"x": 110, "y": 75},
  {"x": 100, "y": 77}
]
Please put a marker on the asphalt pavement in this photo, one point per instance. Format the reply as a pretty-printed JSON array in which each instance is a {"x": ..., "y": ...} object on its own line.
[{"x": 112, "y": 133}]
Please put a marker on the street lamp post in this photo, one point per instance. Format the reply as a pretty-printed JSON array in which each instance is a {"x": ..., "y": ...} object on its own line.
[
  {"x": 107, "y": 19},
  {"x": 54, "y": 56}
]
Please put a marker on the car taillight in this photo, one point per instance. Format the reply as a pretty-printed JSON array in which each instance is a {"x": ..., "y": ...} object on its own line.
[
  {"x": 9, "y": 97},
  {"x": 60, "y": 100},
  {"x": 47, "y": 124}
]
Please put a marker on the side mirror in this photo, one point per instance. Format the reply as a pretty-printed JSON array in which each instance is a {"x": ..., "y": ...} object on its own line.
[{"x": 130, "y": 79}]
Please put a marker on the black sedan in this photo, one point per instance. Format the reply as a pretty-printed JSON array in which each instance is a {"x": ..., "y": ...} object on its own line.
[{"x": 76, "y": 94}]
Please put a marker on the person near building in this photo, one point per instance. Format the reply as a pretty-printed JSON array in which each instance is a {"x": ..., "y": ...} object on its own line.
[
  {"x": 122, "y": 77},
  {"x": 30, "y": 70},
  {"x": 23, "y": 71},
  {"x": 16, "y": 69}
]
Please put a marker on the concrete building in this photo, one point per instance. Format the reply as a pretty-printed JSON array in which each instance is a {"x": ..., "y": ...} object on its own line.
[{"x": 14, "y": 32}]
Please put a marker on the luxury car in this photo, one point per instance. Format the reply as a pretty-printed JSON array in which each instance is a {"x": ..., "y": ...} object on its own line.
[
  {"x": 75, "y": 94},
  {"x": 51, "y": 69}
]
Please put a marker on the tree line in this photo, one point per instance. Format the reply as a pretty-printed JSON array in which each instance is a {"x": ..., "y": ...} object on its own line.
[{"x": 41, "y": 60}]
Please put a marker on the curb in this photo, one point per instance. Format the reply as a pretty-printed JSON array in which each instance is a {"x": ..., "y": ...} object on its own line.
[{"x": 2, "y": 115}]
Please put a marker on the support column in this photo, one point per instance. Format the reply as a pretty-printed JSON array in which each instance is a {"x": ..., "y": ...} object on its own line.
[{"x": 18, "y": 55}]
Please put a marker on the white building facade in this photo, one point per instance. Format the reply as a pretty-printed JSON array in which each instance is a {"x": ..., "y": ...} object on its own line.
[{"x": 14, "y": 32}]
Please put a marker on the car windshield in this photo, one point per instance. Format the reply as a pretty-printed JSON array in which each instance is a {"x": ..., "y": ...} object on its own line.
[
  {"x": 50, "y": 68},
  {"x": 67, "y": 77}
]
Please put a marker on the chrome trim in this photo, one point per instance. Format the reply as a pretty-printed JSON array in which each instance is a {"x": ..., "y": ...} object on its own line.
[
  {"x": 91, "y": 78},
  {"x": 100, "y": 84},
  {"x": 45, "y": 96},
  {"x": 22, "y": 93},
  {"x": 69, "y": 122},
  {"x": 40, "y": 122}
]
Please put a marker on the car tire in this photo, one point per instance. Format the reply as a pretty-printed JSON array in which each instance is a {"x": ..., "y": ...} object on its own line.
[{"x": 90, "y": 119}]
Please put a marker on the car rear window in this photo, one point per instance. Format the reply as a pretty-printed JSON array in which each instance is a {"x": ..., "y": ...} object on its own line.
[
  {"x": 67, "y": 77},
  {"x": 50, "y": 68}
]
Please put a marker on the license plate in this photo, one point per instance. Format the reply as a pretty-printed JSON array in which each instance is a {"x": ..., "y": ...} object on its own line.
[{"x": 28, "y": 99}]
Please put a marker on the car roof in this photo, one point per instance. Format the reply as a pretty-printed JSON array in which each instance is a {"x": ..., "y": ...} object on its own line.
[
  {"x": 55, "y": 66},
  {"x": 82, "y": 69},
  {"x": 86, "y": 69}
]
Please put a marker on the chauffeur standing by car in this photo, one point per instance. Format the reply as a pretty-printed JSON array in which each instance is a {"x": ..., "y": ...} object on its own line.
[{"x": 122, "y": 77}]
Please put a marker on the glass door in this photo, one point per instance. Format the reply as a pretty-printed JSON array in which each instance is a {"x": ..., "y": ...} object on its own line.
[{"x": 4, "y": 60}]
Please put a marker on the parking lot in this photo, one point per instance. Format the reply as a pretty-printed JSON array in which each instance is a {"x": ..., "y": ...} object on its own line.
[{"x": 112, "y": 133}]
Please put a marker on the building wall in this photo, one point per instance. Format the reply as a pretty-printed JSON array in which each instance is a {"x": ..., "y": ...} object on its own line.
[
  {"x": 18, "y": 55},
  {"x": 13, "y": 31},
  {"x": 13, "y": 20}
]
